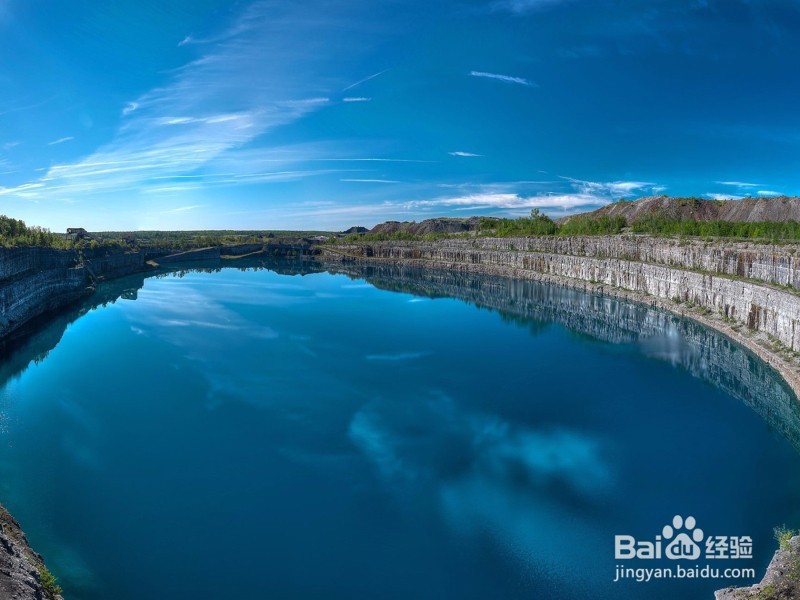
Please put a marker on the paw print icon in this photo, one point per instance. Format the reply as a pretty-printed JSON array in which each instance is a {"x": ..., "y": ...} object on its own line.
[{"x": 685, "y": 536}]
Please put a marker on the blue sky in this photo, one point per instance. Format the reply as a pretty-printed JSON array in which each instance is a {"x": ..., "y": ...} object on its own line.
[{"x": 326, "y": 114}]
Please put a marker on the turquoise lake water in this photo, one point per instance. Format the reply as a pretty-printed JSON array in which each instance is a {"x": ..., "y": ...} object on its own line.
[{"x": 249, "y": 434}]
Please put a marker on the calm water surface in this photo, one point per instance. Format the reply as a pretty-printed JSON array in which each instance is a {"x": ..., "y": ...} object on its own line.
[{"x": 245, "y": 434}]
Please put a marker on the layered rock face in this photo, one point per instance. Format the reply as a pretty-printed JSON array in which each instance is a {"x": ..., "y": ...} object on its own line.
[
  {"x": 114, "y": 265},
  {"x": 28, "y": 297},
  {"x": 649, "y": 266},
  {"x": 766, "y": 262},
  {"x": 15, "y": 262},
  {"x": 34, "y": 281},
  {"x": 191, "y": 256}
]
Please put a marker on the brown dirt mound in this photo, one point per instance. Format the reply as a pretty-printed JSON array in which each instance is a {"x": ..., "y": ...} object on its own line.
[{"x": 778, "y": 208}]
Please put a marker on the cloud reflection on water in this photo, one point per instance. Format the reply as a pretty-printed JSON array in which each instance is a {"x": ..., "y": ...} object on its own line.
[{"x": 526, "y": 488}]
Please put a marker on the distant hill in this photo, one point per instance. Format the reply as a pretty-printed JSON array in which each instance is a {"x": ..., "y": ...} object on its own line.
[
  {"x": 437, "y": 225},
  {"x": 355, "y": 230},
  {"x": 748, "y": 210}
]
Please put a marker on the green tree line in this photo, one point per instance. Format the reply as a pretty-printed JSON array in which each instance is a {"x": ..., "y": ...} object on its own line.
[
  {"x": 14, "y": 232},
  {"x": 655, "y": 224}
]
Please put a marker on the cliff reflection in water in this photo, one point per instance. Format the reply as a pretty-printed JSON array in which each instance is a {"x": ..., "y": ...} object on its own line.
[
  {"x": 706, "y": 354},
  {"x": 703, "y": 352}
]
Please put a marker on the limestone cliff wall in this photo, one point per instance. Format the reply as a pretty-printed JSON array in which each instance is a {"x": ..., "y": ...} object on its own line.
[
  {"x": 241, "y": 249},
  {"x": 34, "y": 281},
  {"x": 772, "y": 263},
  {"x": 27, "y": 297},
  {"x": 191, "y": 256},
  {"x": 114, "y": 264},
  {"x": 773, "y": 311},
  {"x": 15, "y": 262}
]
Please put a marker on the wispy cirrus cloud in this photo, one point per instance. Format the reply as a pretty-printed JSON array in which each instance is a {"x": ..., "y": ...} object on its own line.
[
  {"x": 372, "y": 159},
  {"x": 6, "y": 168},
  {"x": 365, "y": 80},
  {"x": 356, "y": 99},
  {"x": 504, "y": 78},
  {"x": 768, "y": 193},
  {"x": 60, "y": 141},
  {"x": 486, "y": 201},
  {"x": 370, "y": 180},
  {"x": 22, "y": 107},
  {"x": 612, "y": 189},
  {"x": 23, "y": 191},
  {"x": 182, "y": 209},
  {"x": 464, "y": 154},
  {"x": 742, "y": 184},
  {"x": 201, "y": 120}
]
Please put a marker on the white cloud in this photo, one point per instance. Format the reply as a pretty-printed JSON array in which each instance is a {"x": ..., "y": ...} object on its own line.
[
  {"x": 612, "y": 189},
  {"x": 723, "y": 196},
  {"x": 739, "y": 183},
  {"x": 129, "y": 108},
  {"x": 466, "y": 154},
  {"x": 509, "y": 201},
  {"x": 505, "y": 78},
  {"x": 60, "y": 141},
  {"x": 768, "y": 193},
  {"x": 356, "y": 99}
]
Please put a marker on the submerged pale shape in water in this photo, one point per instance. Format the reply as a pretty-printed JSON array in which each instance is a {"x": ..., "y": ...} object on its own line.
[{"x": 254, "y": 434}]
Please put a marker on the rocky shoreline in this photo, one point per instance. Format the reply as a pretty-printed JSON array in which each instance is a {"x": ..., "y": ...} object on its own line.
[
  {"x": 22, "y": 571},
  {"x": 748, "y": 292},
  {"x": 782, "y": 580}
]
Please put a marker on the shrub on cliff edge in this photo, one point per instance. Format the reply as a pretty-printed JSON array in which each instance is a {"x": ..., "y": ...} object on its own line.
[{"x": 49, "y": 585}]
